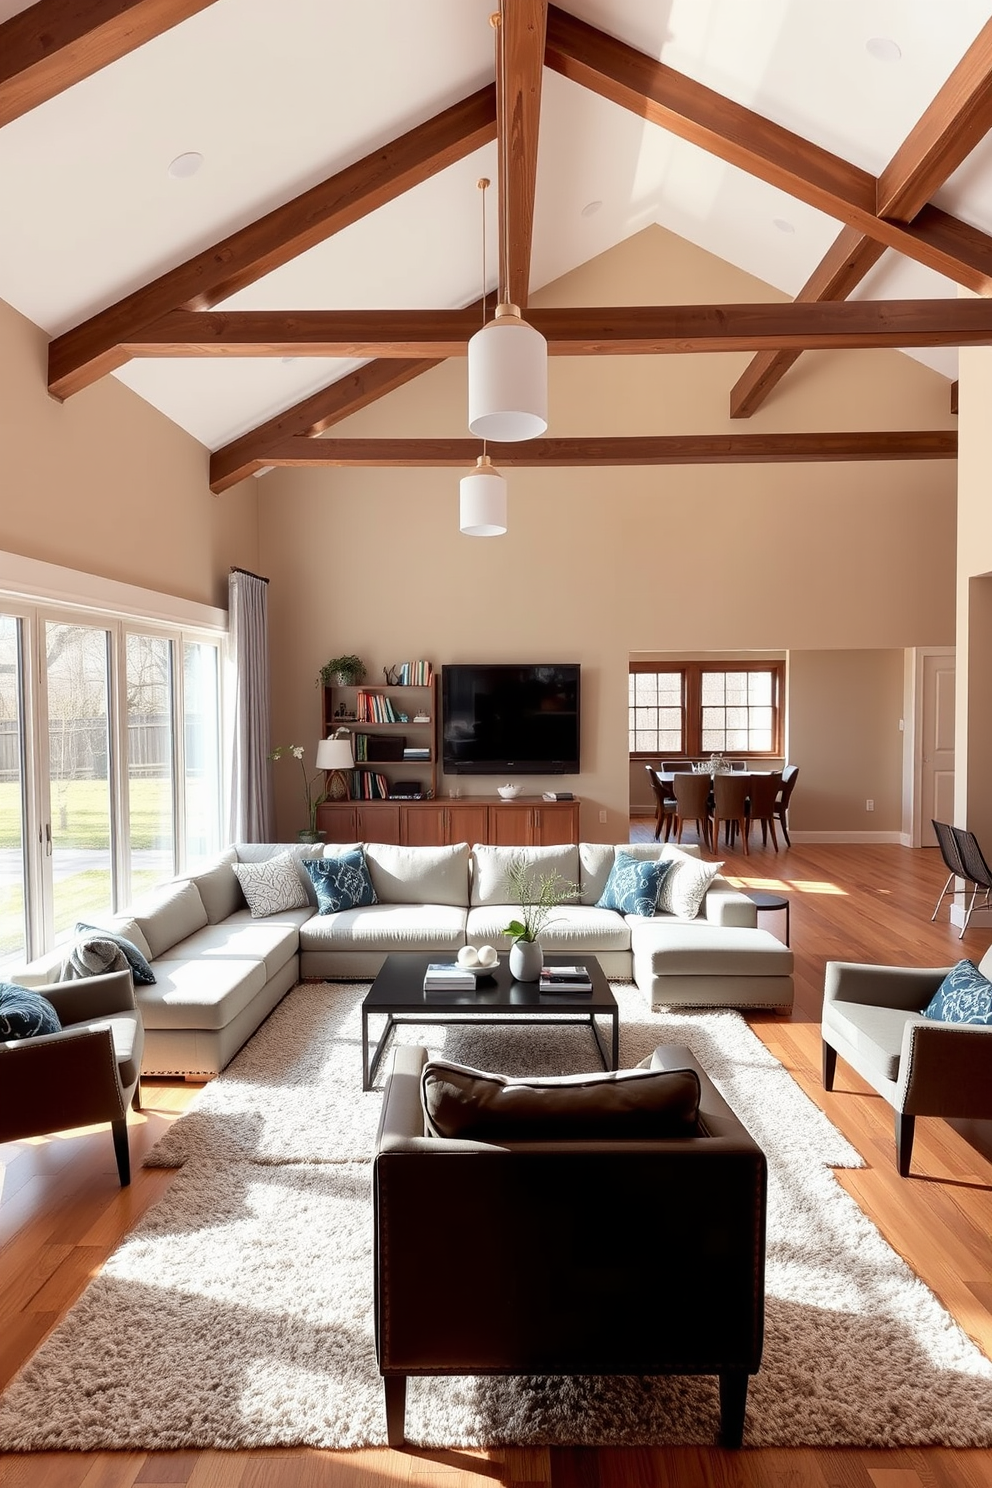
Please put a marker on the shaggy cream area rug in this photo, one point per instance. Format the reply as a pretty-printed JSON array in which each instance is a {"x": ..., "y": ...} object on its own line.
[{"x": 239, "y": 1311}]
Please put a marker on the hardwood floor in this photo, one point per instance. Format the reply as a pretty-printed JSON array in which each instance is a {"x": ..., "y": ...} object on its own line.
[{"x": 62, "y": 1213}]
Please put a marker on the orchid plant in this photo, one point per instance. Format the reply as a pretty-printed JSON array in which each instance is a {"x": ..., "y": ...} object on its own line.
[{"x": 310, "y": 795}]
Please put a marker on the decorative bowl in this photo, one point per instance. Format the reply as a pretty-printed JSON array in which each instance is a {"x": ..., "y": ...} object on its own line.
[{"x": 508, "y": 792}]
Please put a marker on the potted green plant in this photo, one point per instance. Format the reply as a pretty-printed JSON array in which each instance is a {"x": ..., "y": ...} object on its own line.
[
  {"x": 311, "y": 795},
  {"x": 538, "y": 895},
  {"x": 343, "y": 671}
]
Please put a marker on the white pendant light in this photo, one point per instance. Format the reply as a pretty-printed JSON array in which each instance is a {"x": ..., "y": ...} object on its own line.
[
  {"x": 507, "y": 358},
  {"x": 482, "y": 501}
]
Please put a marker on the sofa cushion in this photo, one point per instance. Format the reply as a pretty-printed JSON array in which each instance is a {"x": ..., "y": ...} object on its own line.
[
  {"x": 873, "y": 1033},
  {"x": 273, "y": 940},
  {"x": 964, "y": 996},
  {"x": 141, "y": 972},
  {"x": 25, "y": 1014},
  {"x": 491, "y": 866},
  {"x": 200, "y": 993},
  {"x": 271, "y": 886},
  {"x": 218, "y": 887},
  {"x": 684, "y": 888},
  {"x": 170, "y": 915},
  {"x": 634, "y": 885},
  {"x": 341, "y": 882},
  {"x": 572, "y": 927},
  {"x": 622, "y": 1105},
  {"x": 387, "y": 927},
  {"x": 419, "y": 875}
]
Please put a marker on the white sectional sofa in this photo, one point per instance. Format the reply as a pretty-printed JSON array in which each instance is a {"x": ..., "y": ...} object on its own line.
[{"x": 219, "y": 972}]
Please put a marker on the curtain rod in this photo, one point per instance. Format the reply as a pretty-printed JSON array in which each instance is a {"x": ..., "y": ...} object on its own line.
[{"x": 248, "y": 573}]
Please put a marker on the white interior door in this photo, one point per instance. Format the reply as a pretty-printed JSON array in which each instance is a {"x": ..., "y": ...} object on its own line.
[{"x": 937, "y": 745}]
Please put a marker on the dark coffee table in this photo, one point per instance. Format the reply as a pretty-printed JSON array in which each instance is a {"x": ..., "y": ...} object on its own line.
[{"x": 398, "y": 993}]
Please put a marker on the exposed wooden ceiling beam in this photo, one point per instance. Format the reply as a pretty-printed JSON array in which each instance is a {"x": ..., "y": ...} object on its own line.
[
  {"x": 623, "y": 330},
  {"x": 91, "y": 350},
  {"x": 736, "y": 134},
  {"x": 959, "y": 116},
  {"x": 524, "y": 29},
  {"x": 55, "y": 43},
  {"x": 243, "y": 456},
  {"x": 669, "y": 449}
]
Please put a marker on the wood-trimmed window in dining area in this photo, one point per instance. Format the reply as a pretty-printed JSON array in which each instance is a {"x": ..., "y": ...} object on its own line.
[{"x": 701, "y": 708}]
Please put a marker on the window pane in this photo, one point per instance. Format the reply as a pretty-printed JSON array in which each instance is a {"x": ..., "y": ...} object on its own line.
[
  {"x": 79, "y": 785},
  {"x": 201, "y": 688},
  {"x": 713, "y": 739},
  {"x": 712, "y": 687},
  {"x": 13, "y": 943},
  {"x": 759, "y": 688},
  {"x": 149, "y": 760}
]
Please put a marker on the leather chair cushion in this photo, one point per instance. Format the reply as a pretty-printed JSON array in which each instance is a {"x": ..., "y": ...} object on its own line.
[{"x": 625, "y": 1105}]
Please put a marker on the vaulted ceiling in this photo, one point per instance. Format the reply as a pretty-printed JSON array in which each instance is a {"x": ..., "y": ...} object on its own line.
[{"x": 327, "y": 249}]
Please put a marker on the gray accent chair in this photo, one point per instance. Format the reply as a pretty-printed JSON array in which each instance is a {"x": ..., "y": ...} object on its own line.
[
  {"x": 510, "y": 1259},
  {"x": 872, "y": 1017},
  {"x": 86, "y": 1074}
]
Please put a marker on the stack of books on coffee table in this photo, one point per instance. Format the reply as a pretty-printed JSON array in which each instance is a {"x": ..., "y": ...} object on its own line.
[
  {"x": 565, "y": 979},
  {"x": 444, "y": 976}
]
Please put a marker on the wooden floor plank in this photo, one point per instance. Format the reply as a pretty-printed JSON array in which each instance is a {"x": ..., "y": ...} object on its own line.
[{"x": 62, "y": 1212}]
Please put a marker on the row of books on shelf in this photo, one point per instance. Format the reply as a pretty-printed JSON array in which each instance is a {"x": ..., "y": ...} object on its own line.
[
  {"x": 416, "y": 752},
  {"x": 415, "y": 674},
  {"x": 369, "y": 785},
  {"x": 374, "y": 707}
]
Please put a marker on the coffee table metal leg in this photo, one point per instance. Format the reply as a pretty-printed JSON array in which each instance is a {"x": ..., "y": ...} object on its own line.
[
  {"x": 370, "y": 1070},
  {"x": 604, "y": 1052}
]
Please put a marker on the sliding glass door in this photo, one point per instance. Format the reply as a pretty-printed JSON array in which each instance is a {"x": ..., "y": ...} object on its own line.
[{"x": 13, "y": 898}]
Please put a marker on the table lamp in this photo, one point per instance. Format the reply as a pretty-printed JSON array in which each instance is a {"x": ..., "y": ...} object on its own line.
[{"x": 335, "y": 755}]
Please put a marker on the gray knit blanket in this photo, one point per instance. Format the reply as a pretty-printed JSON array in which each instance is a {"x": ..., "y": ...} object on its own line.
[{"x": 92, "y": 956}]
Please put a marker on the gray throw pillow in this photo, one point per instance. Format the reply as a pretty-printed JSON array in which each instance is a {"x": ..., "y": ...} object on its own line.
[{"x": 141, "y": 972}]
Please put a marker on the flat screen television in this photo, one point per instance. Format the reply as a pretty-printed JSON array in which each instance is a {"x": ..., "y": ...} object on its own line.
[{"x": 510, "y": 719}]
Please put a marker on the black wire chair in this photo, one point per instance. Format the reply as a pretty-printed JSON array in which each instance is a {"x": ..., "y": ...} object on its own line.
[
  {"x": 976, "y": 871},
  {"x": 952, "y": 861}
]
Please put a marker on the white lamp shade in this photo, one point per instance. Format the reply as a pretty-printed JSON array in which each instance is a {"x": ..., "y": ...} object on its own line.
[
  {"x": 482, "y": 501},
  {"x": 335, "y": 754},
  {"x": 507, "y": 379}
]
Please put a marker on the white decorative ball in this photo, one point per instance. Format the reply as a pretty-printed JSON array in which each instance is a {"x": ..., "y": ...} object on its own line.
[
  {"x": 488, "y": 955},
  {"x": 468, "y": 956}
]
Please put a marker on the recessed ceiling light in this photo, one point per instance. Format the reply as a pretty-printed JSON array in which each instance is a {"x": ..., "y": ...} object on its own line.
[
  {"x": 783, "y": 225},
  {"x": 883, "y": 49},
  {"x": 185, "y": 165},
  {"x": 591, "y": 208}
]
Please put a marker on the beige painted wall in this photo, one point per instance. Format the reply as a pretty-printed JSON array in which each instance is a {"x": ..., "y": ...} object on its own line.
[
  {"x": 844, "y": 712},
  {"x": 842, "y": 558},
  {"x": 106, "y": 484},
  {"x": 973, "y": 720}
]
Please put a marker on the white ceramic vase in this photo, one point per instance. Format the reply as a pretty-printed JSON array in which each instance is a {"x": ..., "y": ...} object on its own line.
[{"x": 526, "y": 960}]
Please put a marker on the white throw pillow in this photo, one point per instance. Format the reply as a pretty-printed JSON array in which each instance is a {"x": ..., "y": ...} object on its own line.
[
  {"x": 271, "y": 886},
  {"x": 683, "y": 889}
]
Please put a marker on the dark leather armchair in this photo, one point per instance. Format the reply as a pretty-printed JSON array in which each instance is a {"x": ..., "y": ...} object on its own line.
[
  {"x": 511, "y": 1259},
  {"x": 85, "y": 1074}
]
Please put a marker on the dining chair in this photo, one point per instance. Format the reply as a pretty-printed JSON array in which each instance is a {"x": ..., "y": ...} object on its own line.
[
  {"x": 789, "y": 777},
  {"x": 730, "y": 793},
  {"x": 679, "y": 766},
  {"x": 692, "y": 794},
  {"x": 665, "y": 805},
  {"x": 760, "y": 805},
  {"x": 737, "y": 764},
  {"x": 952, "y": 860},
  {"x": 976, "y": 871}
]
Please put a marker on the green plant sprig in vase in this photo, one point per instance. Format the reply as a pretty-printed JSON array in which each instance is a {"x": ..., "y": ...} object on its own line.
[
  {"x": 346, "y": 671},
  {"x": 538, "y": 895}
]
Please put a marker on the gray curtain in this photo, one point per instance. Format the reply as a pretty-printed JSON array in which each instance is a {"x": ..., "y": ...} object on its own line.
[{"x": 251, "y": 803}]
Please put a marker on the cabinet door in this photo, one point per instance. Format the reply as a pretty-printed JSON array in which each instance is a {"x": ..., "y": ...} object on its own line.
[
  {"x": 423, "y": 824},
  {"x": 466, "y": 822},
  {"x": 556, "y": 821},
  {"x": 377, "y": 823},
  {"x": 338, "y": 822},
  {"x": 511, "y": 825}
]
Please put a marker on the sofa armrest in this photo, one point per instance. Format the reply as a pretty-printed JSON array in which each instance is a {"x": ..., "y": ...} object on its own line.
[
  {"x": 58, "y": 1081},
  {"x": 725, "y": 905},
  {"x": 945, "y": 1069},
  {"x": 907, "y": 987},
  {"x": 90, "y": 997}
]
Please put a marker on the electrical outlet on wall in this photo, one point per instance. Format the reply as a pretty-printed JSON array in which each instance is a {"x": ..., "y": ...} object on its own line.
[
  {"x": 602, "y": 816},
  {"x": 869, "y": 804}
]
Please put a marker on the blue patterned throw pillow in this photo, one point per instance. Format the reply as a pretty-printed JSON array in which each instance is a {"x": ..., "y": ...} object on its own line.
[
  {"x": 141, "y": 972},
  {"x": 341, "y": 883},
  {"x": 25, "y": 1014},
  {"x": 633, "y": 885},
  {"x": 964, "y": 996}
]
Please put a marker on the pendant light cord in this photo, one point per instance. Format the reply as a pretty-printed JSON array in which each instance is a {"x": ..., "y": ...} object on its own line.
[
  {"x": 483, "y": 183},
  {"x": 503, "y": 154}
]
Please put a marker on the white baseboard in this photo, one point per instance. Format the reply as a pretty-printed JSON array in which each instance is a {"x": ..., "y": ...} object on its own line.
[
  {"x": 980, "y": 915},
  {"x": 898, "y": 838}
]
